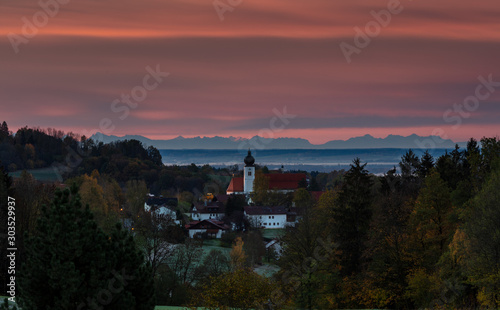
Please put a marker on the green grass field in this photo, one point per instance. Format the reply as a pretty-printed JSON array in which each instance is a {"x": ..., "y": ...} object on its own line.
[
  {"x": 214, "y": 244},
  {"x": 43, "y": 174},
  {"x": 272, "y": 233}
]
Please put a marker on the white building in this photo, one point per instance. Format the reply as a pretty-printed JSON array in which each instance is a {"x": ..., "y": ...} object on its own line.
[
  {"x": 162, "y": 206},
  {"x": 208, "y": 210},
  {"x": 269, "y": 217},
  {"x": 212, "y": 228}
]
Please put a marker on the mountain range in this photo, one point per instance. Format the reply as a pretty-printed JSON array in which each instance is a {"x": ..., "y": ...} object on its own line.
[{"x": 364, "y": 142}]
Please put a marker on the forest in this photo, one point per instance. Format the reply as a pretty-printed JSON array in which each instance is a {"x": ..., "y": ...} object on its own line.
[{"x": 425, "y": 234}]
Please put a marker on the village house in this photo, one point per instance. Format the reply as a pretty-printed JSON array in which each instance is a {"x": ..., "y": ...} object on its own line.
[
  {"x": 208, "y": 209},
  {"x": 211, "y": 228},
  {"x": 270, "y": 217},
  {"x": 162, "y": 206}
]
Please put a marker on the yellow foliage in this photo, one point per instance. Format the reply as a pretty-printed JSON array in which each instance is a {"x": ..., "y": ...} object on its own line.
[{"x": 237, "y": 254}]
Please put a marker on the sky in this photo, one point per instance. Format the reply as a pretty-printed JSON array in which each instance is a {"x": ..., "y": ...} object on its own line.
[{"x": 315, "y": 69}]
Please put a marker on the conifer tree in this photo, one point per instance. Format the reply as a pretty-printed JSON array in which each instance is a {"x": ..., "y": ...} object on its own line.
[
  {"x": 352, "y": 213},
  {"x": 72, "y": 264}
]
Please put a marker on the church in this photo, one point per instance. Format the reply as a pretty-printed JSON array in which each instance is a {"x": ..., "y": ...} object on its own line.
[{"x": 282, "y": 182}]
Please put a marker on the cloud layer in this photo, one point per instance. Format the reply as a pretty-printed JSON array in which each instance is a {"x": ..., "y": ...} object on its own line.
[{"x": 226, "y": 77}]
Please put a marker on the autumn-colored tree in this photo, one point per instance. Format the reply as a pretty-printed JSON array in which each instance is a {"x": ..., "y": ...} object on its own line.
[
  {"x": 136, "y": 192},
  {"x": 238, "y": 289},
  {"x": 254, "y": 248},
  {"x": 260, "y": 188},
  {"x": 237, "y": 254},
  {"x": 92, "y": 195},
  {"x": 302, "y": 200},
  {"x": 432, "y": 226},
  {"x": 482, "y": 247},
  {"x": 431, "y": 221},
  {"x": 309, "y": 264}
]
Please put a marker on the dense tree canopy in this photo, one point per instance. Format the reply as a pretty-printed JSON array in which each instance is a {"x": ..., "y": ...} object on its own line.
[{"x": 72, "y": 264}]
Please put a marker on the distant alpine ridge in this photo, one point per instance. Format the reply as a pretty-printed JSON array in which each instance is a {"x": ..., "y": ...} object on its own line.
[{"x": 219, "y": 143}]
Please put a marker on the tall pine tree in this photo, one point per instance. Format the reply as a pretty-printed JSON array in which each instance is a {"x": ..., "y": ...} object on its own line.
[
  {"x": 352, "y": 213},
  {"x": 72, "y": 264}
]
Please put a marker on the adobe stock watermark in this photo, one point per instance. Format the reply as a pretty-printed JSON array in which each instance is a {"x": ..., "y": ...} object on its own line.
[
  {"x": 120, "y": 107},
  {"x": 460, "y": 111},
  {"x": 223, "y": 6},
  {"x": 29, "y": 29},
  {"x": 363, "y": 37},
  {"x": 106, "y": 295},
  {"x": 277, "y": 123}
]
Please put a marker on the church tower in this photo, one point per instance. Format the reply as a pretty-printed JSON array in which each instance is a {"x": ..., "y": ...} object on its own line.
[{"x": 249, "y": 173}]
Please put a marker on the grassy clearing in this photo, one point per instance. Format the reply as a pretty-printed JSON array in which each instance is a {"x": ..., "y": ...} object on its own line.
[
  {"x": 272, "y": 233},
  {"x": 214, "y": 244}
]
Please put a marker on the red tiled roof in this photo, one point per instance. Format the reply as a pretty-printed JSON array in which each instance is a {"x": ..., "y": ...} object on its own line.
[
  {"x": 277, "y": 181},
  {"x": 222, "y": 197},
  {"x": 212, "y": 207},
  {"x": 236, "y": 185},
  {"x": 285, "y": 180}
]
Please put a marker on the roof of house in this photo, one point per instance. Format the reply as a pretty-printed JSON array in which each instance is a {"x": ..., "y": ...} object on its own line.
[
  {"x": 316, "y": 194},
  {"x": 210, "y": 207},
  {"x": 259, "y": 210},
  {"x": 277, "y": 181},
  {"x": 207, "y": 224},
  {"x": 222, "y": 197},
  {"x": 236, "y": 185},
  {"x": 159, "y": 201},
  {"x": 285, "y": 180}
]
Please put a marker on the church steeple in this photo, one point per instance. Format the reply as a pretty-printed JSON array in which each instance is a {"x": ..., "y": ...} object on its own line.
[
  {"x": 249, "y": 160},
  {"x": 249, "y": 173}
]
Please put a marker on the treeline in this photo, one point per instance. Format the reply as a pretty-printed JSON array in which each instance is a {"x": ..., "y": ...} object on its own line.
[
  {"x": 31, "y": 148},
  {"x": 427, "y": 237}
]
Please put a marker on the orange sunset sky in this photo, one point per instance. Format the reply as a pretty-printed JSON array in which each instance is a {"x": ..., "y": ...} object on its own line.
[{"x": 227, "y": 77}]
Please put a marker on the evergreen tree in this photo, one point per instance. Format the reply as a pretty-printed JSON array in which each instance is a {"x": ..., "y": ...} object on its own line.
[
  {"x": 409, "y": 166},
  {"x": 426, "y": 164},
  {"x": 352, "y": 213},
  {"x": 4, "y": 131},
  {"x": 72, "y": 264},
  {"x": 314, "y": 186}
]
